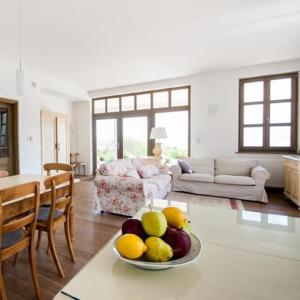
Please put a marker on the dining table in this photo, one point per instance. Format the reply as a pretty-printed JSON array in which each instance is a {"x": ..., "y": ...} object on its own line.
[{"x": 18, "y": 206}]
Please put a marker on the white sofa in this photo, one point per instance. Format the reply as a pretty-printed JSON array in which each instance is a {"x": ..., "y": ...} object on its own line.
[
  {"x": 231, "y": 178},
  {"x": 123, "y": 194}
]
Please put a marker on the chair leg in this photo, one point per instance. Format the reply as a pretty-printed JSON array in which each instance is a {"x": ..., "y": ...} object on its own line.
[
  {"x": 68, "y": 239},
  {"x": 48, "y": 247},
  {"x": 3, "y": 295},
  {"x": 34, "y": 274},
  {"x": 54, "y": 253},
  {"x": 71, "y": 223},
  {"x": 39, "y": 239}
]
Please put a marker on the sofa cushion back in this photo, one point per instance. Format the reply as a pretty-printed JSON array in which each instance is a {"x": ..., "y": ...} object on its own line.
[
  {"x": 237, "y": 167},
  {"x": 201, "y": 165}
]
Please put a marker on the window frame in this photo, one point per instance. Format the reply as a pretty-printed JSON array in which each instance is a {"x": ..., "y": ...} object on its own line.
[
  {"x": 266, "y": 102},
  {"x": 149, "y": 112}
]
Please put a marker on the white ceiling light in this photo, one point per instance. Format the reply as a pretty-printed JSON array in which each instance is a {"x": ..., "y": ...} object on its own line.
[{"x": 20, "y": 79}]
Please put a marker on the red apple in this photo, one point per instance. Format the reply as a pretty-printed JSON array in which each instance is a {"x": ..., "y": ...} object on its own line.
[
  {"x": 134, "y": 226},
  {"x": 179, "y": 240}
]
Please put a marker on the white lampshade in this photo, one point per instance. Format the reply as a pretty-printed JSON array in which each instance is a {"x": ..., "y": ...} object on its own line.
[
  {"x": 158, "y": 133},
  {"x": 20, "y": 82}
]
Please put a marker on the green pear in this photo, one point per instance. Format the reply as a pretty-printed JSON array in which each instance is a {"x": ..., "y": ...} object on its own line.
[
  {"x": 154, "y": 223},
  {"x": 158, "y": 250}
]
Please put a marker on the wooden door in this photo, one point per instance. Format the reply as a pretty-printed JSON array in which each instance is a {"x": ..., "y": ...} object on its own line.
[
  {"x": 62, "y": 132},
  {"x": 48, "y": 127},
  {"x": 8, "y": 137}
]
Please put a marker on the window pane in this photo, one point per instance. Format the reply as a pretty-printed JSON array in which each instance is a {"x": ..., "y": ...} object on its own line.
[
  {"x": 99, "y": 106},
  {"x": 253, "y": 114},
  {"x": 180, "y": 97},
  {"x": 106, "y": 140},
  {"x": 160, "y": 99},
  {"x": 281, "y": 89},
  {"x": 177, "y": 127},
  {"x": 113, "y": 104},
  {"x": 253, "y": 137},
  {"x": 127, "y": 103},
  {"x": 280, "y": 113},
  {"x": 254, "y": 91},
  {"x": 280, "y": 136},
  {"x": 143, "y": 101},
  {"x": 135, "y": 137}
]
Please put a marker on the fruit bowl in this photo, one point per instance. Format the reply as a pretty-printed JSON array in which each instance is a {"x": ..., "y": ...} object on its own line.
[{"x": 144, "y": 264}]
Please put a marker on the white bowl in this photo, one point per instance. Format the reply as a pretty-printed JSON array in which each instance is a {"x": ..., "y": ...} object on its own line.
[{"x": 187, "y": 259}]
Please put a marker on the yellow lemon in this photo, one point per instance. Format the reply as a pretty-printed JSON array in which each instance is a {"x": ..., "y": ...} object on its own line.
[
  {"x": 131, "y": 246},
  {"x": 175, "y": 217}
]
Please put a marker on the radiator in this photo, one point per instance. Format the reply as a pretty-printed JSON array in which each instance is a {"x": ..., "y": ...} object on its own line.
[{"x": 276, "y": 169}]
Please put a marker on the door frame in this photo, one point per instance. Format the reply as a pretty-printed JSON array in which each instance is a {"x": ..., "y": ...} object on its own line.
[
  {"x": 119, "y": 117},
  {"x": 15, "y": 132}
]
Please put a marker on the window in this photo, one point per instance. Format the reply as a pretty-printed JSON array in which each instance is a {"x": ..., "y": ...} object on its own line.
[
  {"x": 268, "y": 113},
  {"x": 176, "y": 124},
  {"x": 122, "y": 123}
]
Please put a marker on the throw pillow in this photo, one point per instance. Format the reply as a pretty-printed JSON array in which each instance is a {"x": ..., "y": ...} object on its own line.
[
  {"x": 112, "y": 169},
  {"x": 185, "y": 167},
  {"x": 164, "y": 170},
  {"x": 132, "y": 172},
  {"x": 147, "y": 171}
]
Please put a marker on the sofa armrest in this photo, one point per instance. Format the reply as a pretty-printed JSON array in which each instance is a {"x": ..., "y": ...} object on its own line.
[
  {"x": 260, "y": 175},
  {"x": 175, "y": 170},
  {"x": 119, "y": 183}
]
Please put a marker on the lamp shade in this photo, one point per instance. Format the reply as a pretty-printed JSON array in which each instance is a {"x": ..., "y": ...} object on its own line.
[{"x": 158, "y": 133}]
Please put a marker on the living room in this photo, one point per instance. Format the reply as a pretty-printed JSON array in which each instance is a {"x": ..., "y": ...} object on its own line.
[{"x": 190, "y": 105}]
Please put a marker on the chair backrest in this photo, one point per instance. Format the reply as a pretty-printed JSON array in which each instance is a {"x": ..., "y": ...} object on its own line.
[
  {"x": 28, "y": 218},
  {"x": 57, "y": 167},
  {"x": 60, "y": 199}
]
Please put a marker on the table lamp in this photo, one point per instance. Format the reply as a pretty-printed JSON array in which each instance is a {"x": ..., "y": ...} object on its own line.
[{"x": 158, "y": 133}]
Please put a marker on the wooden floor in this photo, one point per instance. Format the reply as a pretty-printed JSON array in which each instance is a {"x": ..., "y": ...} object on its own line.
[{"x": 91, "y": 233}]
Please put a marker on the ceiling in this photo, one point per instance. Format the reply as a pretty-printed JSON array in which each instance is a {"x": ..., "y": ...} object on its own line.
[{"x": 97, "y": 44}]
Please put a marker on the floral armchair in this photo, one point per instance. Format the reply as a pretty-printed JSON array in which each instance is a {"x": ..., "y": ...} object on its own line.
[{"x": 126, "y": 192}]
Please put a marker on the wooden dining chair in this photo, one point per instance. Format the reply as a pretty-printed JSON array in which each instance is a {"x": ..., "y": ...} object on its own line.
[
  {"x": 57, "y": 214},
  {"x": 57, "y": 167},
  {"x": 17, "y": 233}
]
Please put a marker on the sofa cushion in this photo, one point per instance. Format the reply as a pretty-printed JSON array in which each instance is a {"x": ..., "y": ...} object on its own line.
[
  {"x": 201, "y": 165},
  {"x": 237, "y": 167},
  {"x": 147, "y": 171},
  {"x": 197, "y": 177},
  {"x": 235, "y": 180},
  {"x": 132, "y": 172},
  {"x": 185, "y": 167}
]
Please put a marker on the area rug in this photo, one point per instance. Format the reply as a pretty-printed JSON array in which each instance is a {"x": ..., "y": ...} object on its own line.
[{"x": 206, "y": 200}]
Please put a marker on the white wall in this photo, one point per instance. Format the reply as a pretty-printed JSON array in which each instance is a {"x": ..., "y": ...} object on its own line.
[
  {"x": 56, "y": 104},
  {"x": 213, "y": 135},
  {"x": 82, "y": 133},
  {"x": 29, "y": 110}
]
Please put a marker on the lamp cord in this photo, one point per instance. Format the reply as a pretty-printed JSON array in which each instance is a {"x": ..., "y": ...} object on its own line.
[{"x": 19, "y": 32}]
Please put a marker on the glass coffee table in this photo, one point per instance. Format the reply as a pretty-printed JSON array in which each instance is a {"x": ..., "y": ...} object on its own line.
[{"x": 245, "y": 255}]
